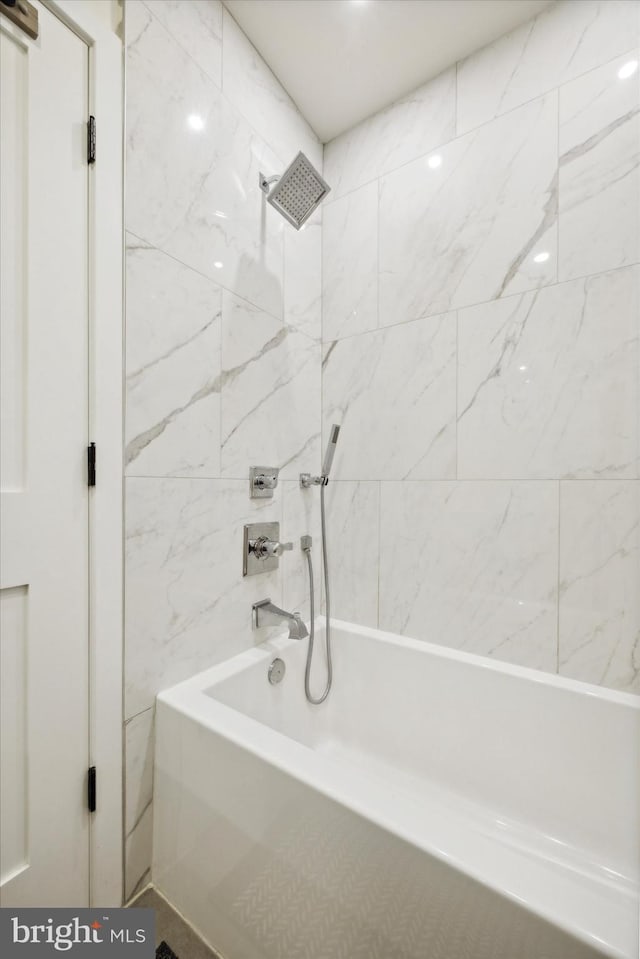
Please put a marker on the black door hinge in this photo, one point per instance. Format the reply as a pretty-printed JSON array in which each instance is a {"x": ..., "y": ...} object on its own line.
[
  {"x": 91, "y": 464},
  {"x": 91, "y": 789},
  {"x": 91, "y": 140}
]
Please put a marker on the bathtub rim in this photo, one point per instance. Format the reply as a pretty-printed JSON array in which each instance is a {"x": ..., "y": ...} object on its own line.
[{"x": 240, "y": 661}]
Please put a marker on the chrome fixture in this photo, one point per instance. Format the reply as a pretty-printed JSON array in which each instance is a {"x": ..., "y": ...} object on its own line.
[
  {"x": 299, "y": 191},
  {"x": 266, "y": 613},
  {"x": 261, "y": 548},
  {"x": 276, "y": 671},
  {"x": 262, "y": 481},
  {"x": 306, "y": 480}
]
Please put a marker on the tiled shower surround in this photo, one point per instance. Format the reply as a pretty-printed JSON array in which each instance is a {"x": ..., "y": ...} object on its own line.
[
  {"x": 223, "y": 358},
  {"x": 466, "y": 306},
  {"x": 480, "y": 324}
]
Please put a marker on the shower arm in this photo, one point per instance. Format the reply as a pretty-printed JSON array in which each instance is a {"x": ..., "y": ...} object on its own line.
[{"x": 266, "y": 181}]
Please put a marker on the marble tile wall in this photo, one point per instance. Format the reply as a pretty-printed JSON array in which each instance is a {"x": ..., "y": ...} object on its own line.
[
  {"x": 481, "y": 326},
  {"x": 223, "y": 358},
  {"x": 466, "y": 306}
]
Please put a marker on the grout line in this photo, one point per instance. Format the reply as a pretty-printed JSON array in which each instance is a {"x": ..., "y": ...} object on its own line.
[
  {"x": 220, "y": 286},
  {"x": 501, "y": 299},
  {"x": 308, "y": 129},
  {"x": 219, "y": 85},
  {"x": 456, "y": 387},
  {"x": 222, "y": 391},
  {"x": 184, "y": 49},
  {"x": 455, "y": 97},
  {"x": 222, "y": 46},
  {"x": 558, "y": 271},
  {"x": 379, "y": 486},
  {"x": 472, "y": 129},
  {"x": 558, "y": 579},
  {"x": 378, "y": 198}
]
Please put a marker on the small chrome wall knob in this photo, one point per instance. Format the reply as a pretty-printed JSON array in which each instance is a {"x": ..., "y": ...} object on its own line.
[{"x": 262, "y": 481}]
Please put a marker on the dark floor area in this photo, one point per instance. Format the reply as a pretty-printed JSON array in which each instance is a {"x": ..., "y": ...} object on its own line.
[{"x": 172, "y": 929}]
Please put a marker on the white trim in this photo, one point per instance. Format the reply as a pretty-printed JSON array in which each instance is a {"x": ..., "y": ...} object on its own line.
[{"x": 106, "y": 380}]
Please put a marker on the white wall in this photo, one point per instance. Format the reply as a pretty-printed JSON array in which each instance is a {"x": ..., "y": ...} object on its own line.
[
  {"x": 109, "y": 12},
  {"x": 222, "y": 358},
  {"x": 480, "y": 327}
]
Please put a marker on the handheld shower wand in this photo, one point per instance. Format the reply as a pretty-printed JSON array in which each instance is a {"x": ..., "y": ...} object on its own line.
[
  {"x": 306, "y": 480},
  {"x": 330, "y": 451}
]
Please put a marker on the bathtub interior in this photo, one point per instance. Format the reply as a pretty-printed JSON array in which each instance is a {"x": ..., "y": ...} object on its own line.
[{"x": 516, "y": 751}]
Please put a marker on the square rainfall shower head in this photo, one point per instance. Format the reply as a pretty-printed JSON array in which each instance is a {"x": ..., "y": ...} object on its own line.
[{"x": 298, "y": 191}]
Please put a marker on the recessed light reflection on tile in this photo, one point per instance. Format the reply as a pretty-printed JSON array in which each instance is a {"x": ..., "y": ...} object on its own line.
[
  {"x": 434, "y": 161},
  {"x": 522, "y": 368},
  {"x": 628, "y": 69},
  {"x": 218, "y": 265},
  {"x": 195, "y": 122},
  {"x": 541, "y": 257}
]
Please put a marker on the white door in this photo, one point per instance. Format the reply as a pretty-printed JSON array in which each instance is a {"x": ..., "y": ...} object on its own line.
[{"x": 44, "y": 498}]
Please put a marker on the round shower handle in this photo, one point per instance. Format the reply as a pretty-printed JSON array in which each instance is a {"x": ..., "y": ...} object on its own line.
[{"x": 265, "y": 482}]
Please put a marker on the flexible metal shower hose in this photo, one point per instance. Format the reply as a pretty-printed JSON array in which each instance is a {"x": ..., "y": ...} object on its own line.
[{"x": 325, "y": 564}]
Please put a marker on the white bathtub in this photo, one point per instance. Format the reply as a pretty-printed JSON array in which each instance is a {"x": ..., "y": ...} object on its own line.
[{"x": 437, "y": 806}]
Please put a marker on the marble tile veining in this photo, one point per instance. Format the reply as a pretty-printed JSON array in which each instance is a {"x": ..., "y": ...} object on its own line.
[
  {"x": 138, "y": 847},
  {"x": 270, "y": 392},
  {"x": 223, "y": 355},
  {"x": 173, "y": 367},
  {"x": 403, "y": 131},
  {"x": 350, "y": 264},
  {"x": 473, "y": 566},
  {"x": 548, "y": 382},
  {"x": 561, "y": 43},
  {"x": 599, "y": 577},
  {"x": 353, "y": 542},
  {"x": 303, "y": 276},
  {"x": 300, "y": 517},
  {"x": 599, "y": 185},
  {"x": 197, "y": 26},
  {"x": 192, "y": 170},
  {"x": 139, "y": 746},
  {"x": 188, "y": 604},
  {"x": 393, "y": 391},
  {"x": 468, "y": 230}
]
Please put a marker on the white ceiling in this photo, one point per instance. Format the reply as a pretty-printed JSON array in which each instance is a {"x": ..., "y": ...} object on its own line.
[{"x": 342, "y": 60}]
